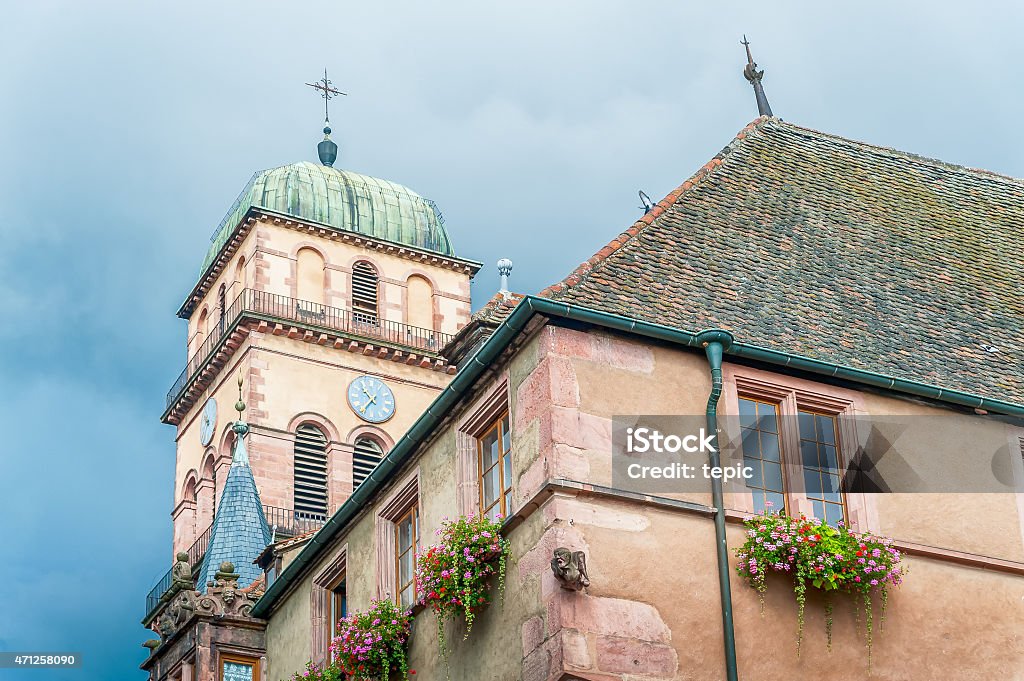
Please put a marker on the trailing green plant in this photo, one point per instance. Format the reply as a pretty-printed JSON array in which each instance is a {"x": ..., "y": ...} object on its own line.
[
  {"x": 454, "y": 577},
  {"x": 372, "y": 644},
  {"x": 313, "y": 672},
  {"x": 823, "y": 557}
]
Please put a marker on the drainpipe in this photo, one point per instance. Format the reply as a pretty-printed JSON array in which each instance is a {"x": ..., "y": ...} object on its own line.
[{"x": 715, "y": 342}]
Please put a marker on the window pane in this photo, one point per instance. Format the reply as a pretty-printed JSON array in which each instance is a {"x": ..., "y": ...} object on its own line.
[
  {"x": 773, "y": 476},
  {"x": 769, "y": 446},
  {"x": 809, "y": 453},
  {"x": 826, "y": 429},
  {"x": 829, "y": 459},
  {"x": 491, "y": 486},
  {"x": 507, "y": 471},
  {"x": 237, "y": 671},
  {"x": 756, "y": 478},
  {"x": 812, "y": 483},
  {"x": 506, "y": 440},
  {"x": 748, "y": 413},
  {"x": 489, "y": 449},
  {"x": 405, "y": 534},
  {"x": 778, "y": 501},
  {"x": 833, "y": 514},
  {"x": 766, "y": 418},
  {"x": 751, "y": 443}
]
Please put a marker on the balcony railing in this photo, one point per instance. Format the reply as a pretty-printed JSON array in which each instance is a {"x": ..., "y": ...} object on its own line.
[
  {"x": 285, "y": 309},
  {"x": 283, "y": 523}
]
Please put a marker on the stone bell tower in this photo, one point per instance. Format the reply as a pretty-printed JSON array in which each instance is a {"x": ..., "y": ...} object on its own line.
[{"x": 330, "y": 294}]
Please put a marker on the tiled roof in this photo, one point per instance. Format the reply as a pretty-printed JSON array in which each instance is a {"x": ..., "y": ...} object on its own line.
[
  {"x": 832, "y": 249},
  {"x": 481, "y": 325},
  {"x": 240, "y": 531}
]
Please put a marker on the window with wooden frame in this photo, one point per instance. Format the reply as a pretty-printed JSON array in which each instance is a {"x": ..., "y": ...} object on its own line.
[
  {"x": 238, "y": 668},
  {"x": 398, "y": 520},
  {"x": 329, "y": 603},
  {"x": 795, "y": 440},
  {"x": 407, "y": 529},
  {"x": 494, "y": 463}
]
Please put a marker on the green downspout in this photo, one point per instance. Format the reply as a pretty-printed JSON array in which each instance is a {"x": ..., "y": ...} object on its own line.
[{"x": 715, "y": 342}]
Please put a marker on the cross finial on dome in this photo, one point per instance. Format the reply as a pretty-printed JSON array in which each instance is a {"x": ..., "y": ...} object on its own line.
[{"x": 327, "y": 150}]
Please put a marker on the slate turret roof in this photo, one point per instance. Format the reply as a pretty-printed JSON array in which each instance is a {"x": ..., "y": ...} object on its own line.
[
  {"x": 240, "y": 530},
  {"x": 832, "y": 249}
]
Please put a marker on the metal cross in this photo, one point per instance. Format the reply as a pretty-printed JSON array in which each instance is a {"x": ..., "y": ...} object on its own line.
[{"x": 326, "y": 90}]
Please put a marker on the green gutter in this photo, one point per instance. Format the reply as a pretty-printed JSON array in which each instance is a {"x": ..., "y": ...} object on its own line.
[
  {"x": 499, "y": 340},
  {"x": 715, "y": 342}
]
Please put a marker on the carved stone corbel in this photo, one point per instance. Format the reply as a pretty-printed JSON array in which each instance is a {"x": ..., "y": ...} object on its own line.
[{"x": 570, "y": 568}]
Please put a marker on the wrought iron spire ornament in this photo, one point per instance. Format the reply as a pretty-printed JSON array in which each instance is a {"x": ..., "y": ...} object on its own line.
[
  {"x": 754, "y": 76},
  {"x": 326, "y": 89},
  {"x": 327, "y": 150}
]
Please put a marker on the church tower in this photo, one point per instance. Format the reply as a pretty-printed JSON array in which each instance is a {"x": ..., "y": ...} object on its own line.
[{"x": 330, "y": 294}]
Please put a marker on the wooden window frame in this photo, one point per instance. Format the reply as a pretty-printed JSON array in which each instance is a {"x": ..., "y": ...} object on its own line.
[
  {"x": 404, "y": 497},
  {"x": 412, "y": 515},
  {"x": 793, "y": 395},
  {"x": 237, "y": 658},
  {"x": 503, "y": 500},
  {"x": 477, "y": 419},
  {"x": 321, "y": 600}
]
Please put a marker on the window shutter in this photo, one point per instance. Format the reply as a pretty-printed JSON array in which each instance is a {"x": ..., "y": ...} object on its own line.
[
  {"x": 364, "y": 293},
  {"x": 365, "y": 458},
  {"x": 310, "y": 470}
]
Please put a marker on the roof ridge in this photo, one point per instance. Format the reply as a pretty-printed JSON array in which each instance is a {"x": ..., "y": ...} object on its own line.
[
  {"x": 695, "y": 180},
  {"x": 893, "y": 151}
]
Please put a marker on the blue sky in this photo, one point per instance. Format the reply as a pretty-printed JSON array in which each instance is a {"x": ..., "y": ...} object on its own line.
[{"x": 127, "y": 130}]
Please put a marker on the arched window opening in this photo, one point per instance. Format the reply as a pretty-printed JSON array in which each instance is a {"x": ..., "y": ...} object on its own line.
[
  {"x": 309, "y": 278},
  {"x": 365, "y": 458},
  {"x": 310, "y": 471},
  {"x": 420, "y": 302},
  {"x": 365, "y": 283}
]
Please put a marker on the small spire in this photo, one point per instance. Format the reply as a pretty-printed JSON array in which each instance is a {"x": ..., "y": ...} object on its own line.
[
  {"x": 241, "y": 429},
  {"x": 504, "y": 269},
  {"x": 327, "y": 150},
  {"x": 754, "y": 76}
]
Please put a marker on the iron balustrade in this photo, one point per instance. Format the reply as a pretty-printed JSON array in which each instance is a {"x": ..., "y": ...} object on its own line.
[
  {"x": 283, "y": 523},
  {"x": 283, "y": 308}
]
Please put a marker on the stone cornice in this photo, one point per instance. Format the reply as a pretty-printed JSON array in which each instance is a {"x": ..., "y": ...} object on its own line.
[
  {"x": 256, "y": 214},
  {"x": 339, "y": 340}
]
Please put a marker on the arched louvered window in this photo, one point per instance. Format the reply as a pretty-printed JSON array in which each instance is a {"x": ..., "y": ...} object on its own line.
[
  {"x": 366, "y": 456},
  {"x": 310, "y": 470},
  {"x": 364, "y": 292}
]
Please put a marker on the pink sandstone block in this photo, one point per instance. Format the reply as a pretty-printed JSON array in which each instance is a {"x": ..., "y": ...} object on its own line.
[
  {"x": 636, "y": 657},
  {"x": 533, "y": 634}
]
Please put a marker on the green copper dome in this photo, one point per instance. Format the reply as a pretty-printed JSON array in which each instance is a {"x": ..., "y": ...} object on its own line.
[{"x": 343, "y": 200}]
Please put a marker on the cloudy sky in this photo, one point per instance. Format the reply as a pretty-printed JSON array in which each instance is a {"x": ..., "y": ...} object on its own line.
[{"x": 127, "y": 130}]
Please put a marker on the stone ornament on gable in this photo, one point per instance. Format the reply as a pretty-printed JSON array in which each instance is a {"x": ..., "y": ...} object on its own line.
[
  {"x": 224, "y": 597},
  {"x": 570, "y": 568}
]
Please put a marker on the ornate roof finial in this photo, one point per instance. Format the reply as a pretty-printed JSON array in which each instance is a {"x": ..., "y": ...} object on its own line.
[
  {"x": 240, "y": 428},
  {"x": 504, "y": 269},
  {"x": 754, "y": 76},
  {"x": 327, "y": 150}
]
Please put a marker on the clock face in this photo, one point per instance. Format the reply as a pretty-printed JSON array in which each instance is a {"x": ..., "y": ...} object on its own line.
[
  {"x": 208, "y": 422},
  {"x": 371, "y": 399}
]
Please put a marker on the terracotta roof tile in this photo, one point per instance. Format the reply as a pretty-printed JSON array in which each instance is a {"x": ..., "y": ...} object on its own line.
[{"x": 854, "y": 254}]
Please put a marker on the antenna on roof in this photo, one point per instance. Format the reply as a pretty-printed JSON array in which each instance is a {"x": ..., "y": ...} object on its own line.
[
  {"x": 754, "y": 76},
  {"x": 645, "y": 202}
]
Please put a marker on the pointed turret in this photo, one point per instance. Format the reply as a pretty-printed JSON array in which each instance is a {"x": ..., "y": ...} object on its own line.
[{"x": 240, "y": 530}]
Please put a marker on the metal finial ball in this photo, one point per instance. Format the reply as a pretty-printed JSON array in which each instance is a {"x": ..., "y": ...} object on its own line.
[
  {"x": 505, "y": 267},
  {"x": 327, "y": 130},
  {"x": 239, "y": 406}
]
